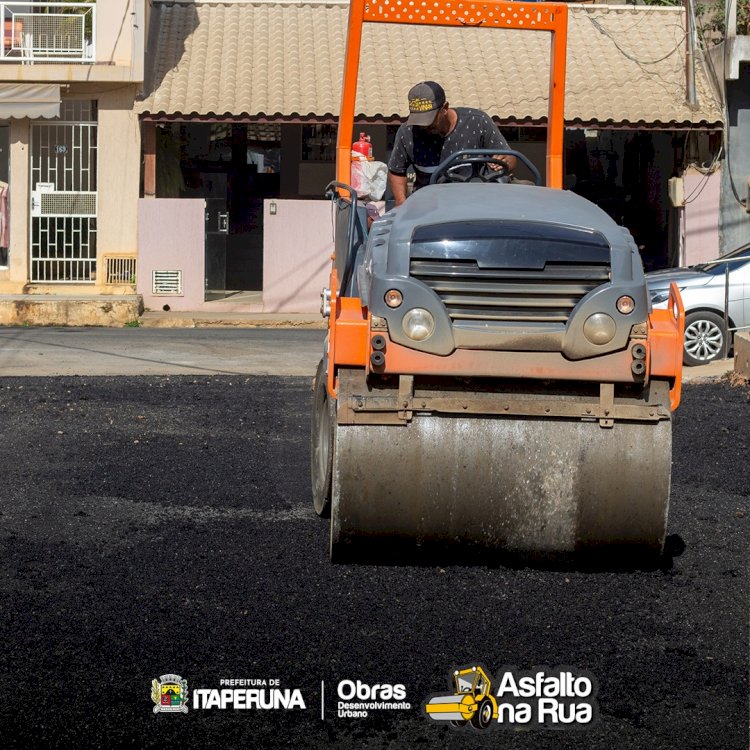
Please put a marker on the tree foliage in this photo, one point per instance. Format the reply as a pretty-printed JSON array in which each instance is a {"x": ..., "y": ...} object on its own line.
[{"x": 710, "y": 17}]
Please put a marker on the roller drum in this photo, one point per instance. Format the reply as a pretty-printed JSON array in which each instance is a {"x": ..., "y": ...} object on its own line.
[{"x": 517, "y": 484}]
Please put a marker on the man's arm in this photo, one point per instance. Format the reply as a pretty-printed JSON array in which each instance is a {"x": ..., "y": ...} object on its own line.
[
  {"x": 399, "y": 163},
  {"x": 397, "y": 184},
  {"x": 493, "y": 138}
]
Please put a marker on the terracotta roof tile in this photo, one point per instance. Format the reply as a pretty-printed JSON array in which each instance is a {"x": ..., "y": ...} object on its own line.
[{"x": 626, "y": 64}]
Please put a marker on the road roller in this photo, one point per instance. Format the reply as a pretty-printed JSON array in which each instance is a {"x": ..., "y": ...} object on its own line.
[{"x": 493, "y": 378}]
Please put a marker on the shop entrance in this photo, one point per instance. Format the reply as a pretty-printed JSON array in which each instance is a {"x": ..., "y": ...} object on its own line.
[{"x": 234, "y": 168}]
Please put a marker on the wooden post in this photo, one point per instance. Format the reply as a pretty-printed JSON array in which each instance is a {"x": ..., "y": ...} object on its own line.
[{"x": 148, "y": 138}]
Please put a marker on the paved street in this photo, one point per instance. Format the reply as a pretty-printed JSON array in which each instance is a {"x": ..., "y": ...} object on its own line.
[
  {"x": 138, "y": 351},
  {"x": 206, "y": 351},
  {"x": 162, "y": 524}
]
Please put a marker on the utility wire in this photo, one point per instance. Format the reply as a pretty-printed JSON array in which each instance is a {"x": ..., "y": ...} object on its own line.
[
  {"x": 606, "y": 33},
  {"x": 701, "y": 186}
]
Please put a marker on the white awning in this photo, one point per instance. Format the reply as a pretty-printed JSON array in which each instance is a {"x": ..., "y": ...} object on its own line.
[{"x": 29, "y": 100}]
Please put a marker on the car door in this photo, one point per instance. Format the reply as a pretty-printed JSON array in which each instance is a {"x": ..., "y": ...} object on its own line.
[
  {"x": 744, "y": 272},
  {"x": 737, "y": 263},
  {"x": 739, "y": 271}
]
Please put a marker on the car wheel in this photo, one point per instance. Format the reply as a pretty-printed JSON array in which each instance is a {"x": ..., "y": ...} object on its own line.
[{"x": 704, "y": 338}]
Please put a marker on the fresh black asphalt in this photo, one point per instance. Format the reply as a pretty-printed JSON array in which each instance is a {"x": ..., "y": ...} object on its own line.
[{"x": 163, "y": 524}]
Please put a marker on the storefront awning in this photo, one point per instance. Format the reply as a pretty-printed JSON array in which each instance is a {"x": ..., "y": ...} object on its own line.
[{"x": 29, "y": 100}]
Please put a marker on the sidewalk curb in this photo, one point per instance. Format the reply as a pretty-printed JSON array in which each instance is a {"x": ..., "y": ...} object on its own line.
[
  {"x": 106, "y": 311},
  {"x": 231, "y": 320}
]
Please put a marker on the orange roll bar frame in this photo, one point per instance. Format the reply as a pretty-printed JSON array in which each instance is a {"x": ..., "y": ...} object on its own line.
[{"x": 491, "y": 14}]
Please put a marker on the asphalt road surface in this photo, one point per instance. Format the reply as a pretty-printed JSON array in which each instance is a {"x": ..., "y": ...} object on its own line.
[{"x": 155, "y": 525}]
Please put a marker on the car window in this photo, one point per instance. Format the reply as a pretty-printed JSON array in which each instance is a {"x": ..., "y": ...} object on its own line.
[{"x": 717, "y": 266}]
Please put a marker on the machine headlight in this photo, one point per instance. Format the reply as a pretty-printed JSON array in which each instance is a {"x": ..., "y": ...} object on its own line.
[
  {"x": 599, "y": 328},
  {"x": 418, "y": 324},
  {"x": 393, "y": 298},
  {"x": 658, "y": 296},
  {"x": 625, "y": 305}
]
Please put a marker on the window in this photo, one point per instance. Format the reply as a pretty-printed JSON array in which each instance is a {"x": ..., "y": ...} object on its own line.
[{"x": 319, "y": 143}]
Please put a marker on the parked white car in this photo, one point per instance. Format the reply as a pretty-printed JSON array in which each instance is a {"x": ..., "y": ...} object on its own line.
[{"x": 703, "y": 292}]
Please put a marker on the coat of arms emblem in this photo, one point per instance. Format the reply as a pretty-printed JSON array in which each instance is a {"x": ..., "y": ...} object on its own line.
[{"x": 169, "y": 694}]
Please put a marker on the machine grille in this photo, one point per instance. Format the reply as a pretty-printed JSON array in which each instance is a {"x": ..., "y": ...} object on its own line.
[{"x": 545, "y": 295}]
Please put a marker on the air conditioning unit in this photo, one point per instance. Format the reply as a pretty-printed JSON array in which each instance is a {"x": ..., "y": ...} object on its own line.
[{"x": 677, "y": 191}]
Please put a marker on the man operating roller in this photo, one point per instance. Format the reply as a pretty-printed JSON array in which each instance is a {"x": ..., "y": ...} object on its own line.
[{"x": 433, "y": 132}]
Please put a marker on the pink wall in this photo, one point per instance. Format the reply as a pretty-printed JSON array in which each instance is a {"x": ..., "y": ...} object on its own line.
[
  {"x": 701, "y": 216},
  {"x": 298, "y": 241},
  {"x": 297, "y": 247},
  {"x": 171, "y": 237}
]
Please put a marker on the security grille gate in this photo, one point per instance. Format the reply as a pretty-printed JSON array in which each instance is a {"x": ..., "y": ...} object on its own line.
[{"x": 63, "y": 196}]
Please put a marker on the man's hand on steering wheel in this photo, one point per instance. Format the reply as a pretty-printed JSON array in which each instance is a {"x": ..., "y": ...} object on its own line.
[
  {"x": 483, "y": 169},
  {"x": 493, "y": 165},
  {"x": 486, "y": 165}
]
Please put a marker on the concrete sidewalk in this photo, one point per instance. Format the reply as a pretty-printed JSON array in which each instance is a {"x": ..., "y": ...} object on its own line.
[
  {"x": 712, "y": 371},
  {"x": 119, "y": 310},
  {"x": 136, "y": 351},
  {"x": 231, "y": 320},
  {"x": 227, "y": 349}
]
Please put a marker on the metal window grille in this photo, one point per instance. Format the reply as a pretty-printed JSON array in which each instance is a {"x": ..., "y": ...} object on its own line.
[
  {"x": 67, "y": 204},
  {"x": 166, "y": 283},
  {"x": 47, "y": 34},
  {"x": 65, "y": 250},
  {"x": 119, "y": 269},
  {"x": 63, "y": 196}
]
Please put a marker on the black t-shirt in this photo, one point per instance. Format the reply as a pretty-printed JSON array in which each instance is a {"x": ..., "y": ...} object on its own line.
[{"x": 414, "y": 146}]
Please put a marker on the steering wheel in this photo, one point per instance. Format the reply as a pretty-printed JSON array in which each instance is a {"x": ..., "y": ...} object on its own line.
[
  {"x": 478, "y": 158},
  {"x": 480, "y": 170}
]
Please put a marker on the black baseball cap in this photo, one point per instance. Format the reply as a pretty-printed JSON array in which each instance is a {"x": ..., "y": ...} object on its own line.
[{"x": 425, "y": 101}]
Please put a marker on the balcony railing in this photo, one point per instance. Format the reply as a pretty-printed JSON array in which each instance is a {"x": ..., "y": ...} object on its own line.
[{"x": 48, "y": 32}]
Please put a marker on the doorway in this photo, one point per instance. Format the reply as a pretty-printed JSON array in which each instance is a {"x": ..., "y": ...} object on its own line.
[
  {"x": 63, "y": 196},
  {"x": 234, "y": 167}
]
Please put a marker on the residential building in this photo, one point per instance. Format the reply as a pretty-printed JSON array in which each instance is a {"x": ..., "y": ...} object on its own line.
[
  {"x": 240, "y": 111},
  {"x": 233, "y": 107},
  {"x": 69, "y": 147}
]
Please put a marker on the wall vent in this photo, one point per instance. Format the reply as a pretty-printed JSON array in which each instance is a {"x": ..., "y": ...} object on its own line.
[
  {"x": 166, "y": 283},
  {"x": 119, "y": 269}
]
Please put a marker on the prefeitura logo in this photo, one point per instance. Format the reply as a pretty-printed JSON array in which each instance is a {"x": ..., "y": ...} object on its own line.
[
  {"x": 169, "y": 694},
  {"x": 556, "y": 698}
]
